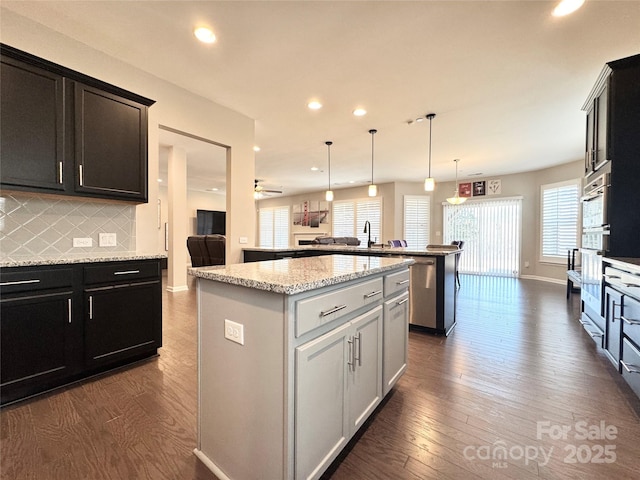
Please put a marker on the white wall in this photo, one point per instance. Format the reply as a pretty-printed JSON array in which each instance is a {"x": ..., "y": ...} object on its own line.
[{"x": 175, "y": 108}]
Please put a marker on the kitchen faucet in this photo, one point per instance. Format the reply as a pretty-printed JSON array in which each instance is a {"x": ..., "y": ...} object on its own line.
[{"x": 367, "y": 229}]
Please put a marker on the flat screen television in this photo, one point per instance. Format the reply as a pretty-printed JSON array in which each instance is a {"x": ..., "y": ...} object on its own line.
[{"x": 210, "y": 222}]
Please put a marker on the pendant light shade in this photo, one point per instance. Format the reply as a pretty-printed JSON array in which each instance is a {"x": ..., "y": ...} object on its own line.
[
  {"x": 456, "y": 199},
  {"x": 373, "y": 189},
  {"x": 430, "y": 182},
  {"x": 329, "y": 193}
]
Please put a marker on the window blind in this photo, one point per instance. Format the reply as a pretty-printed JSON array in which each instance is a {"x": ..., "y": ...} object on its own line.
[
  {"x": 417, "y": 218},
  {"x": 559, "y": 217},
  {"x": 491, "y": 231},
  {"x": 274, "y": 227},
  {"x": 349, "y": 217}
]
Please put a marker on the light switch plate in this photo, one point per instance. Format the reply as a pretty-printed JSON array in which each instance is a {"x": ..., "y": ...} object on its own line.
[
  {"x": 244, "y": 240},
  {"x": 82, "y": 242}
]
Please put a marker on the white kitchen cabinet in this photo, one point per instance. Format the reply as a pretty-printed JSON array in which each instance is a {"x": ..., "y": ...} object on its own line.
[
  {"x": 396, "y": 341},
  {"x": 285, "y": 403}
]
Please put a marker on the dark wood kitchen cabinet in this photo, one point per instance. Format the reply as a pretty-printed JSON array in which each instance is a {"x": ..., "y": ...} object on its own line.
[
  {"x": 37, "y": 330},
  {"x": 60, "y": 324},
  {"x": 122, "y": 307},
  {"x": 68, "y": 133}
]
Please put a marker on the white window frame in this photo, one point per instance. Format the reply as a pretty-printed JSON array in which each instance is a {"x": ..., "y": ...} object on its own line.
[
  {"x": 275, "y": 235},
  {"x": 561, "y": 256},
  {"x": 416, "y": 230},
  {"x": 359, "y": 217}
]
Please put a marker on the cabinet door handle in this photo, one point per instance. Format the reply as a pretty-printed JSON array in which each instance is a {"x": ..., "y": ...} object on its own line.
[
  {"x": 127, "y": 272},
  {"x": 613, "y": 311},
  {"x": 629, "y": 368},
  {"x": 594, "y": 334},
  {"x": 90, "y": 307},
  {"x": 60, "y": 172},
  {"x": 402, "y": 282},
  {"x": 357, "y": 338},
  {"x": 404, "y": 300},
  {"x": 335, "y": 309},
  {"x": 373, "y": 294},
  {"x": 19, "y": 282},
  {"x": 628, "y": 321},
  {"x": 350, "y": 361},
  {"x": 80, "y": 175},
  {"x": 69, "y": 308}
]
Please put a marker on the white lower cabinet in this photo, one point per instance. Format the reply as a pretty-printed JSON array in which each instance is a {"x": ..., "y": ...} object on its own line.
[
  {"x": 337, "y": 388},
  {"x": 396, "y": 341}
]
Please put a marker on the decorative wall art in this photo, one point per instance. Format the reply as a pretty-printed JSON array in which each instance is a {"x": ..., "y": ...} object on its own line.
[
  {"x": 479, "y": 188},
  {"x": 494, "y": 187},
  {"x": 311, "y": 213},
  {"x": 464, "y": 189}
]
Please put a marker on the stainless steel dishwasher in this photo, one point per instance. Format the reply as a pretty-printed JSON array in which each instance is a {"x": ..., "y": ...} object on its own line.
[{"x": 423, "y": 292}]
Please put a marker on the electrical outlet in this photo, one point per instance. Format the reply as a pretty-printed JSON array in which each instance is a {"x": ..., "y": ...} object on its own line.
[
  {"x": 108, "y": 240},
  {"x": 244, "y": 240},
  {"x": 234, "y": 331},
  {"x": 82, "y": 242}
]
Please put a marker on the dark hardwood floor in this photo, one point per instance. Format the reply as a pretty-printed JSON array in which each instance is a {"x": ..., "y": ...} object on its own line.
[{"x": 490, "y": 401}]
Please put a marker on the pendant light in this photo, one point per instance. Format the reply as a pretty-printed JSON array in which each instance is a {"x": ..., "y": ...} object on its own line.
[
  {"x": 373, "y": 189},
  {"x": 430, "y": 182},
  {"x": 456, "y": 199},
  {"x": 329, "y": 193}
]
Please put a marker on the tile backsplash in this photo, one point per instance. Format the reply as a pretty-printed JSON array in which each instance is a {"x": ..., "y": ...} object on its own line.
[{"x": 45, "y": 225}]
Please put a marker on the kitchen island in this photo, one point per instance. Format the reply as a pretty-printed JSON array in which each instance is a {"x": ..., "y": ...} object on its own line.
[
  {"x": 293, "y": 356},
  {"x": 432, "y": 293}
]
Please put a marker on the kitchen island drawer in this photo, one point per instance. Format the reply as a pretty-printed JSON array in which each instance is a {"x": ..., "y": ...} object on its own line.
[
  {"x": 631, "y": 319},
  {"x": 16, "y": 280},
  {"x": 396, "y": 282},
  {"x": 594, "y": 331},
  {"x": 630, "y": 363},
  {"x": 316, "y": 311},
  {"x": 121, "y": 272},
  {"x": 626, "y": 282}
]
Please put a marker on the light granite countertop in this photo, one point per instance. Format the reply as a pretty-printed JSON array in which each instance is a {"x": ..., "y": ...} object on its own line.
[
  {"x": 20, "y": 261},
  {"x": 296, "y": 275},
  {"x": 630, "y": 263},
  {"x": 432, "y": 251}
]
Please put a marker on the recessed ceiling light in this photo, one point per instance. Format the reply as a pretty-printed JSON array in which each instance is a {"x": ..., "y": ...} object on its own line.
[
  {"x": 204, "y": 34},
  {"x": 359, "y": 112},
  {"x": 256, "y": 148},
  {"x": 352, "y": 181},
  {"x": 214, "y": 189},
  {"x": 159, "y": 180},
  {"x": 314, "y": 105},
  {"x": 419, "y": 119},
  {"x": 314, "y": 169},
  {"x": 565, "y": 7}
]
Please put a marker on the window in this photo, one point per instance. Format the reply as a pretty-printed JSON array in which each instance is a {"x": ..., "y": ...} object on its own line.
[
  {"x": 349, "y": 217},
  {"x": 491, "y": 231},
  {"x": 274, "y": 227},
  {"x": 559, "y": 219},
  {"x": 417, "y": 210}
]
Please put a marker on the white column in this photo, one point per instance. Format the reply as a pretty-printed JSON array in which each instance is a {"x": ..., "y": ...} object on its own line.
[{"x": 178, "y": 218}]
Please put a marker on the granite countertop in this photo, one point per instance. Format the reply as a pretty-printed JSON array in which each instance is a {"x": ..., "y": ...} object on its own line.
[
  {"x": 31, "y": 261},
  {"x": 432, "y": 251},
  {"x": 296, "y": 275}
]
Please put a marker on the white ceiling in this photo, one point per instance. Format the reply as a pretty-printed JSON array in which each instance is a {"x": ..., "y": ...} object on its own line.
[{"x": 505, "y": 78}]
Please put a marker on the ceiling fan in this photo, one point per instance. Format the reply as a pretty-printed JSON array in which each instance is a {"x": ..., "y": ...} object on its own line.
[{"x": 259, "y": 191}]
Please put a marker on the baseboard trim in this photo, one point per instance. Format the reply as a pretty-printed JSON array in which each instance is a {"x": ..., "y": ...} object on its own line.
[
  {"x": 544, "y": 279},
  {"x": 181, "y": 288}
]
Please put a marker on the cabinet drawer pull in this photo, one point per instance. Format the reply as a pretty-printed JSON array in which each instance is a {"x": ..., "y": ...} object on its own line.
[
  {"x": 19, "y": 282},
  {"x": 69, "y": 308},
  {"x": 615, "y": 277},
  {"x": 594, "y": 334},
  {"x": 629, "y": 322},
  {"x": 404, "y": 300},
  {"x": 373, "y": 294},
  {"x": 335, "y": 309},
  {"x": 90, "y": 307},
  {"x": 632, "y": 285},
  {"x": 629, "y": 368},
  {"x": 127, "y": 272},
  {"x": 402, "y": 282},
  {"x": 350, "y": 361},
  {"x": 80, "y": 176},
  {"x": 60, "y": 172},
  {"x": 613, "y": 311}
]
